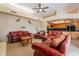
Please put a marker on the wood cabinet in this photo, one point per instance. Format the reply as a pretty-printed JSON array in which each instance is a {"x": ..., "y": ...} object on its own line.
[{"x": 64, "y": 25}]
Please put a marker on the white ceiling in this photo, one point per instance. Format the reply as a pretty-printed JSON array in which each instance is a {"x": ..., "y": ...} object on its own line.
[
  {"x": 52, "y": 7},
  {"x": 50, "y": 10}
]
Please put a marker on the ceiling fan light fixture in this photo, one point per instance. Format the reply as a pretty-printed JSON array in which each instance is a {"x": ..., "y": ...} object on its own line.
[{"x": 40, "y": 10}]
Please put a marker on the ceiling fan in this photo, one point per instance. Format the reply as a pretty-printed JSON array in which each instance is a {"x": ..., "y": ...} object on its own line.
[{"x": 40, "y": 8}]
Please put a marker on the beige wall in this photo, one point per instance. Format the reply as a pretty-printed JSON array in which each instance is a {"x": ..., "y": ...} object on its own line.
[{"x": 8, "y": 23}]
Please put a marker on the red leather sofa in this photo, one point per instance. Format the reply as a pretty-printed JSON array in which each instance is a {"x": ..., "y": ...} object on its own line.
[
  {"x": 15, "y": 35},
  {"x": 42, "y": 49},
  {"x": 52, "y": 35},
  {"x": 39, "y": 34}
]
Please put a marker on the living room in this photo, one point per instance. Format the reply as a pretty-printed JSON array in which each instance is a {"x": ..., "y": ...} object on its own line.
[{"x": 27, "y": 19}]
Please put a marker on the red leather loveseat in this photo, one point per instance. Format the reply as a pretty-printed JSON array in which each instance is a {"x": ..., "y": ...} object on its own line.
[{"x": 15, "y": 35}]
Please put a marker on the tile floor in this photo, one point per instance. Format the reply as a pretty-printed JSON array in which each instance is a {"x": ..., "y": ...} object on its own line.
[{"x": 17, "y": 50}]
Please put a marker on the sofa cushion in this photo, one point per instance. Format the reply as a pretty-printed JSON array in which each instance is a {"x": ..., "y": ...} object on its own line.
[
  {"x": 56, "y": 41},
  {"x": 13, "y": 33},
  {"x": 20, "y": 33},
  {"x": 16, "y": 37}
]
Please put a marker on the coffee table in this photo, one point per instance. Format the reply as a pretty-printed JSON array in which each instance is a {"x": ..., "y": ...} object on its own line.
[{"x": 23, "y": 40}]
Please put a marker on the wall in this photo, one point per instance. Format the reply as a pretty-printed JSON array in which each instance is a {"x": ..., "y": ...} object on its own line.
[
  {"x": 8, "y": 23},
  {"x": 4, "y": 7},
  {"x": 44, "y": 25}
]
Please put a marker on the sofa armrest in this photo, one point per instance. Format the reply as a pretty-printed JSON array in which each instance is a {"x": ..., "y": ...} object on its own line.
[
  {"x": 46, "y": 49},
  {"x": 9, "y": 38}
]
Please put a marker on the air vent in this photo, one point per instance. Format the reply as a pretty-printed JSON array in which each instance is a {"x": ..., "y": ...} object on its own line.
[{"x": 13, "y": 12}]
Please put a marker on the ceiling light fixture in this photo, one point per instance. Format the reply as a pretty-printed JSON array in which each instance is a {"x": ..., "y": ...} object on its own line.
[
  {"x": 21, "y": 7},
  {"x": 40, "y": 8}
]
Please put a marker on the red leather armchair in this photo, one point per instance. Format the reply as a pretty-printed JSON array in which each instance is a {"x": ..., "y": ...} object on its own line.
[
  {"x": 39, "y": 34},
  {"x": 15, "y": 35},
  {"x": 41, "y": 49}
]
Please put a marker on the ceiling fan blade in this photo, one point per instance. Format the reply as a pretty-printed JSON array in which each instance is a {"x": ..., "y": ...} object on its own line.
[
  {"x": 44, "y": 7},
  {"x": 44, "y": 11},
  {"x": 38, "y": 11},
  {"x": 39, "y": 5}
]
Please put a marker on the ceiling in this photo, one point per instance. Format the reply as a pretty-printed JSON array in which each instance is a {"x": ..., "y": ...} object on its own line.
[
  {"x": 49, "y": 12},
  {"x": 52, "y": 7}
]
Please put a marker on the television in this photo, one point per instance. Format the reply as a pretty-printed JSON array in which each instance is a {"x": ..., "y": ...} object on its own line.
[{"x": 71, "y": 27}]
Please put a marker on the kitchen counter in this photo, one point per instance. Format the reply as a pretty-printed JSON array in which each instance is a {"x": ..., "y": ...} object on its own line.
[
  {"x": 74, "y": 35},
  {"x": 2, "y": 48}
]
